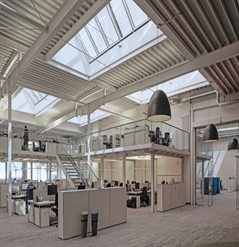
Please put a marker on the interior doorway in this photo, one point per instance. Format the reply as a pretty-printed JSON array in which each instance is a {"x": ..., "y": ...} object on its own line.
[{"x": 202, "y": 172}]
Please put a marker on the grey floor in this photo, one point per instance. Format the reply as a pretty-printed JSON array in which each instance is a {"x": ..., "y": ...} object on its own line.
[{"x": 185, "y": 226}]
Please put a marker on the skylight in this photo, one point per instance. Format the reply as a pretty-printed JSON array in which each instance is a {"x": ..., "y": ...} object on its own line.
[
  {"x": 95, "y": 116},
  {"x": 115, "y": 22},
  {"x": 33, "y": 102},
  {"x": 175, "y": 86}
]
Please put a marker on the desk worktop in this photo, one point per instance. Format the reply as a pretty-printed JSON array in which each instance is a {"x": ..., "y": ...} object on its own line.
[
  {"x": 18, "y": 196},
  {"x": 44, "y": 203}
]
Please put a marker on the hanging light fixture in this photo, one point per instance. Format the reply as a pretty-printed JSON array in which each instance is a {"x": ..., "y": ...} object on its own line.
[
  {"x": 210, "y": 133},
  {"x": 159, "y": 107},
  {"x": 233, "y": 144}
]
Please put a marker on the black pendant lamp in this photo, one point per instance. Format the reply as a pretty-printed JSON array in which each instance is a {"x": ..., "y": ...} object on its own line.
[
  {"x": 159, "y": 107},
  {"x": 210, "y": 133},
  {"x": 233, "y": 144}
]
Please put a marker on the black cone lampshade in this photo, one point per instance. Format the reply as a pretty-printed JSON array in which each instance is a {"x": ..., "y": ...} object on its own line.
[
  {"x": 159, "y": 107},
  {"x": 210, "y": 133},
  {"x": 233, "y": 144}
]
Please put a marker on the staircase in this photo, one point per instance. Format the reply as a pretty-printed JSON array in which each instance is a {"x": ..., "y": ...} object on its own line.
[{"x": 72, "y": 170}]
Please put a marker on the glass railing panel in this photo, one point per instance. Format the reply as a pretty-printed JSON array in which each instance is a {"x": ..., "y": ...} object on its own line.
[{"x": 135, "y": 133}]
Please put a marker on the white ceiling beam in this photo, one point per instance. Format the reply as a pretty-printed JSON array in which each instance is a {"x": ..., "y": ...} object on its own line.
[
  {"x": 22, "y": 17},
  {"x": 10, "y": 63},
  {"x": 163, "y": 27},
  {"x": 172, "y": 37},
  {"x": 158, "y": 78},
  {"x": 113, "y": 112},
  {"x": 12, "y": 44},
  {"x": 14, "y": 95},
  {"x": 92, "y": 12},
  {"x": 88, "y": 93},
  {"x": 67, "y": 9},
  {"x": 16, "y": 46}
]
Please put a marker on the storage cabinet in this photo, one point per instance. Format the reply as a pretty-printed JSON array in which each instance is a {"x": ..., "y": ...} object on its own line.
[{"x": 171, "y": 196}]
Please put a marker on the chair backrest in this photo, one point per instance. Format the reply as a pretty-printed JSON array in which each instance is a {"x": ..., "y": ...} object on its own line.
[
  {"x": 33, "y": 143},
  {"x": 56, "y": 200},
  {"x": 144, "y": 192},
  {"x": 157, "y": 132}
]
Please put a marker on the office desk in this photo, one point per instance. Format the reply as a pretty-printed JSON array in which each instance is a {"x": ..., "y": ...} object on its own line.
[
  {"x": 137, "y": 194},
  {"x": 39, "y": 213},
  {"x": 18, "y": 204}
]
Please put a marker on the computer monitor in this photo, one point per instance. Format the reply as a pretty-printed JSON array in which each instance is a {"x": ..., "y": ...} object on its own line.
[
  {"x": 51, "y": 189},
  {"x": 81, "y": 187},
  {"x": 15, "y": 188},
  {"x": 116, "y": 183},
  {"x": 146, "y": 182},
  {"x": 137, "y": 186},
  {"x": 24, "y": 186},
  {"x": 133, "y": 182}
]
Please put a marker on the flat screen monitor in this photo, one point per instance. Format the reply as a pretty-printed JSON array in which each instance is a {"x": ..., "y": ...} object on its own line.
[
  {"x": 51, "y": 189},
  {"x": 116, "y": 183},
  {"x": 137, "y": 186},
  {"x": 81, "y": 187},
  {"x": 133, "y": 182},
  {"x": 24, "y": 186}
]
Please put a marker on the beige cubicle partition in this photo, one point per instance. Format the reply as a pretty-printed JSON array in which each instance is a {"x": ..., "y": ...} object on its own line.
[
  {"x": 3, "y": 195},
  {"x": 109, "y": 202}
]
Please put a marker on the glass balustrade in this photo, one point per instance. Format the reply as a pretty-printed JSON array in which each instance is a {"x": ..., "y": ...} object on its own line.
[{"x": 131, "y": 134}]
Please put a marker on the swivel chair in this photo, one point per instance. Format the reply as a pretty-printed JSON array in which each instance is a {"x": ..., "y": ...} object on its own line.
[
  {"x": 36, "y": 149},
  {"x": 54, "y": 208},
  {"x": 144, "y": 197},
  {"x": 166, "y": 139}
]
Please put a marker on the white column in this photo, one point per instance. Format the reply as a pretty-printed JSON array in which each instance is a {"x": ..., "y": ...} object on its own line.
[
  {"x": 202, "y": 178},
  {"x": 102, "y": 169},
  {"x": 124, "y": 170},
  {"x": 192, "y": 156},
  {"x": 6, "y": 172},
  {"x": 9, "y": 150},
  {"x": 88, "y": 133},
  {"x": 31, "y": 171},
  {"x": 50, "y": 170},
  {"x": 152, "y": 182}
]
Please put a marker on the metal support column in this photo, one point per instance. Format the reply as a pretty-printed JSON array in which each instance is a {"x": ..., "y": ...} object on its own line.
[
  {"x": 31, "y": 171},
  {"x": 6, "y": 172},
  {"x": 192, "y": 156},
  {"x": 202, "y": 178},
  {"x": 102, "y": 169},
  {"x": 9, "y": 150},
  {"x": 50, "y": 171},
  {"x": 124, "y": 170},
  {"x": 152, "y": 182},
  {"x": 88, "y": 133}
]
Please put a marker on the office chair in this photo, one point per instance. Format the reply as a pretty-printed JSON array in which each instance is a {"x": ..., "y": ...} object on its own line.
[
  {"x": 144, "y": 197},
  {"x": 42, "y": 147},
  {"x": 166, "y": 139},
  {"x": 36, "y": 149},
  {"x": 152, "y": 136},
  {"x": 54, "y": 208}
]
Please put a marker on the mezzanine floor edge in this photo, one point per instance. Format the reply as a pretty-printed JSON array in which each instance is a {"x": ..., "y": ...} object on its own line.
[{"x": 137, "y": 150}]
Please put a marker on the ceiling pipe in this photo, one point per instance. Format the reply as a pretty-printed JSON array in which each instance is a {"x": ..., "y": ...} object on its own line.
[{"x": 208, "y": 93}]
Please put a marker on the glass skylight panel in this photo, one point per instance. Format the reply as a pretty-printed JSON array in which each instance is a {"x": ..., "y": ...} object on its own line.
[
  {"x": 96, "y": 35},
  {"x": 35, "y": 95},
  {"x": 107, "y": 26},
  {"x": 121, "y": 17},
  {"x": 87, "y": 43},
  {"x": 136, "y": 13}
]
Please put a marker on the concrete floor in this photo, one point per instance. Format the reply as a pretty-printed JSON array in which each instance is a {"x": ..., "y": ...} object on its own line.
[{"x": 216, "y": 226}]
